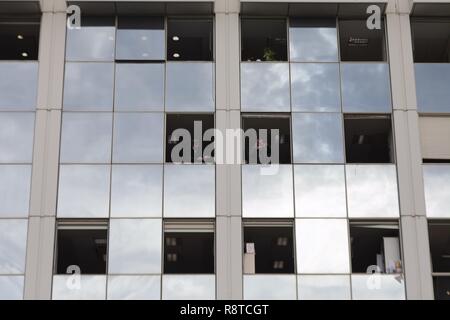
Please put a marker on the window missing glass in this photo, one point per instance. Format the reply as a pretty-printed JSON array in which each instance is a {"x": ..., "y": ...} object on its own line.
[
  {"x": 358, "y": 43},
  {"x": 264, "y": 40},
  {"x": 186, "y": 139},
  {"x": 431, "y": 40},
  {"x": 81, "y": 246},
  {"x": 189, "y": 40},
  {"x": 375, "y": 247},
  {"x": 19, "y": 39},
  {"x": 262, "y": 140},
  {"x": 368, "y": 139},
  {"x": 268, "y": 247},
  {"x": 188, "y": 247}
]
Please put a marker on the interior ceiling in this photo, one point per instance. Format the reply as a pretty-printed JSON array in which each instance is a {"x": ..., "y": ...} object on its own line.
[
  {"x": 427, "y": 9},
  {"x": 22, "y": 7}
]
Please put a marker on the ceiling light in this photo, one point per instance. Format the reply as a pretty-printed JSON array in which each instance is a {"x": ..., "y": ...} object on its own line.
[
  {"x": 278, "y": 264},
  {"x": 24, "y": 54},
  {"x": 19, "y": 36},
  {"x": 282, "y": 241},
  {"x": 175, "y": 38},
  {"x": 176, "y": 55}
]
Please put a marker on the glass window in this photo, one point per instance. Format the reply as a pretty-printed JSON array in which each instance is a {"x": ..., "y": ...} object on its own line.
[
  {"x": 18, "y": 85},
  {"x": 190, "y": 87},
  {"x": 437, "y": 190},
  {"x": 315, "y": 87},
  {"x": 366, "y": 87},
  {"x": 86, "y": 137},
  {"x": 317, "y": 138},
  {"x": 13, "y": 242},
  {"x": 135, "y": 246},
  {"x": 136, "y": 191},
  {"x": 91, "y": 288},
  {"x": 83, "y": 191},
  {"x": 11, "y": 287},
  {"x": 134, "y": 287},
  {"x": 270, "y": 287},
  {"x": 140, "y": 38},
  {"x": 439, "y": 233},
  {"x": 19, "y": 36},
  {"x": 16, "y": 137},
  {"x": 267, "y": 191},
  {"x": 138, "y": 137},
  {"x": 264, "y": 40},
  {"x": 378, "y": 287},
  {"x": 365, "y": 181},
  {"x": 324, "y": 287},
  {"x": 14, "y": 190},
  {"x": 441, "y": 288},
  {"x": 189, "y": 287},
  {"x": 88, "y": 86},
  {"x": 430, "y": 40},
  {"x": 320, "y": 191},
  {"x": 313, "y": 40},
  {"x": 322, "y": 246},
  {"x": 139, "y": 86},
  {"x": 432, "y": 81},
  {"x": 265, "y": 87},
  {"x": 189, "y": 191},
  {"x": 94, "y": 41}
]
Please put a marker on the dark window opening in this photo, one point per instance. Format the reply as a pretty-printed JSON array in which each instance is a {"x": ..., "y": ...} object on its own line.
[
  {"x": 264, "y": 144},
  {"x": 82, "y": 245},
  {"x": 268, "y": 249},
  {"x": 264, "y": 39},
  {"x": 358, "y": 43},
  {"x": 375, "y": 247},
  {"x": 19, "y": 39},
  {"x": 441, "y": 288},
  {"x": 368, "y": 139},
  {"x": 198, "y": 152},
  {"x": 439, "y": 233},
  {"x": 189, "y": 40},
  {"x": 431, "y": 40},
  {"x": 436, "y": 161}
]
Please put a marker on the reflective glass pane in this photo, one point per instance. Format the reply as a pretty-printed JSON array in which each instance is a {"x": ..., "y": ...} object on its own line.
[
  {"x": 313, "y": 40},
  {"x": 315, "y": 87},
  {"x": 324, "y": 287},
  {"x": 189, "y": 191},
  {"x": 366, "y": 87},
  {"x": 16, "y": 136},
  {"x": 14, "y": 190},
  {"x": 134, "y": 287},
  {"x": 270, "y": 287},
  {"x": 135, "y": 246},
  {"x": 140, "y": 38},
  {"x": 136, "y": 191},
  {"x": 383, "y": 287},
  {"x": 91, "y": 288},
  {"x": 322, "y": 246},
  {"x": 317, "y": 138},
  {"x": 432, "y": 81},
  {"x": 267, "y": 191},
  {"x": 11, "y": 287},
  {"x": 138, "y": 137},
  {"x": 86, "y": 137},
  {"x": 190, "y": 86},
  {"x": 265, "y": 87},
  {"x": 189, "y": 287},
  {"x": 139, "y": 87},
  {"x": 437, "y": 190},
  {"x": 372, "y": 191},
  {"x": 88, "y": 86},
  {"x": 13, "y": 242},
  {"x": 320, "y": 191},
  {"x": 94, "y": 41},
  {"x": 83, "y": 191},
  {"x": 18, "y": 85}
]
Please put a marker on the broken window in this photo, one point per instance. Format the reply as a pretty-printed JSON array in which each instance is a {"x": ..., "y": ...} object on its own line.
[
  {"x": 375, "y": 247},
  {"x": 368, "y": 139},
  {"x": 268, "y": 247},
  {"x": 262, "y": 142},
  {"x": 439, "y": 233},
  {"x": 188, "y": 247},
  {"x": 81, "y": 246},
  {"x": 19, "y": 39}
]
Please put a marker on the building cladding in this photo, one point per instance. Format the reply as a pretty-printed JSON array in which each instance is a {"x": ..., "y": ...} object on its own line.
[{"x": 92, "y": 206}]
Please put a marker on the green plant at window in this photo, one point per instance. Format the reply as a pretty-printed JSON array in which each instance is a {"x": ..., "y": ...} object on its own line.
[{"x": 269, "y": 54}]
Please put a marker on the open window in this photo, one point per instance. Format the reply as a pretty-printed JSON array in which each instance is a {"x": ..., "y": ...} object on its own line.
[
  {"x": 261, "y": 139},
  {"x": 188, "y": 246},
  {"x": 185, "y": 132},
  {"x": 81, "y": 245},
  {"x": 375, "y": 247},
  {"x": 19, "y": 39},
  {"x": 268, "y": 247},
  {"x": 439, "y": 233},
  {"x": 368, "y": 139},
  {"x": 358, "y": 43},
  {"x": 189, "y": 40},
  {"x": 264, "y": 39},
  {"x": 431, "y": 40}
]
